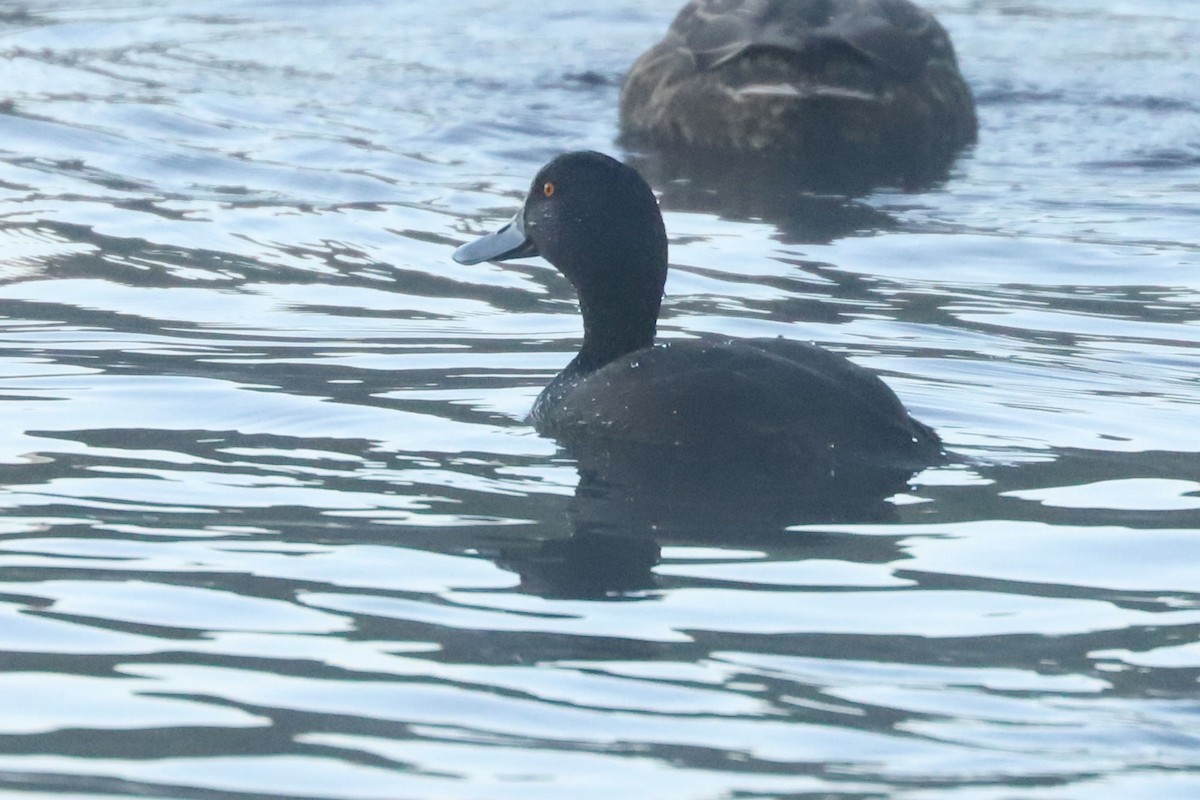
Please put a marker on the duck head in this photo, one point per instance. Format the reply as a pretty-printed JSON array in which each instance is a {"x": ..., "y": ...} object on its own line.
[
  {"x": 597, "y": 221},
  {"x": 590, "y": 216}
]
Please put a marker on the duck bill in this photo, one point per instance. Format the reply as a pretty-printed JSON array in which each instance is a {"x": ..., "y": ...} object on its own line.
[{"x": 511, "y": 241}]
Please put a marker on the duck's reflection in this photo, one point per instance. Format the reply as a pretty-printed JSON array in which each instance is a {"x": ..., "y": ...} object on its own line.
[
  {"x": 628, "y": 504},
  {"x": 804, "y": 212}
]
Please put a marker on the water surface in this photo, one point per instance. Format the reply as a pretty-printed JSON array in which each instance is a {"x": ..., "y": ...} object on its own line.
[{"x": 273, "y": 525}]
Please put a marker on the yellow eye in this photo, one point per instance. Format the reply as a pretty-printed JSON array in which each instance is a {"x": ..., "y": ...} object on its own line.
[{"x": 548, "y": 189}]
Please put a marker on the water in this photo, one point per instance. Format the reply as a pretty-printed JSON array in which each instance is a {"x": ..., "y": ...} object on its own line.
[{"x": 272, "y": 525}]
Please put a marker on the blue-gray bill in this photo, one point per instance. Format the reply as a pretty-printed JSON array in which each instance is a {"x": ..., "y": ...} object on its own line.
[{"x": 510, "y": 241}]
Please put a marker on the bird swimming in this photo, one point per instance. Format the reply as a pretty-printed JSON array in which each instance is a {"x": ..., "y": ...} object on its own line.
[
  {"x": 766, "y": 400},
  {"x": 830, "y": 89}
]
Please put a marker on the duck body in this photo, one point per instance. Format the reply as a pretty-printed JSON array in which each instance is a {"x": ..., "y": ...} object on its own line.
[
  {"x": 734, "y": 400},
  {"x": 824, "y": 86},
  {"x": 772, "y": 401}
]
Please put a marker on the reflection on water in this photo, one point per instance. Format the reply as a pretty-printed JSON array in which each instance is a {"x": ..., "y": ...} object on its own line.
[
  {"x": 800, "y": 215},
  {"x": 628, "y": 503},
  {"x": 273, "y": 525}
]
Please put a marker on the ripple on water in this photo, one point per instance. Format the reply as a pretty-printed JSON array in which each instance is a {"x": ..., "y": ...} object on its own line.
[{"x": 273, "y": 524}]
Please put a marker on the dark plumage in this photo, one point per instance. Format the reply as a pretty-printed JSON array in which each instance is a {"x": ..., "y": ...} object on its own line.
[
  {"x": 869, "y": 87},
  {"x": 758, "y": 400}
]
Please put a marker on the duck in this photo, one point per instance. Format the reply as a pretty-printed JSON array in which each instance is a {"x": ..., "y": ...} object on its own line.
[
  {"x": 724, "y": 400},
  {"x": 865, "y": 90}
]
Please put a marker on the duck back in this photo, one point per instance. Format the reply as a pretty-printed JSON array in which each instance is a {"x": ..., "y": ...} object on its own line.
[
  {"x": 873, "y": 85},
  {"x": 892, "y": 34},
  {"x": 762, "y": 400}
]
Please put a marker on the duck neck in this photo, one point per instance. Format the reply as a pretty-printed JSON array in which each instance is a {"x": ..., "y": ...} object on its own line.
[{"x": 614, "y": 324}]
